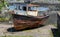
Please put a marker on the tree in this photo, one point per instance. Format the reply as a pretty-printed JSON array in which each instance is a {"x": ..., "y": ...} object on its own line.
[{"x": 3, "y": 3}]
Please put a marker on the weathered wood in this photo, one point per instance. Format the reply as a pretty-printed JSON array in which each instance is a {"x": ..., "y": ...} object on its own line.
[{"x": 22, "y": 22}]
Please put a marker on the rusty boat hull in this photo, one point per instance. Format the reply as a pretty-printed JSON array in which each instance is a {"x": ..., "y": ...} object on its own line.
[{"x": 22, "y": 22}]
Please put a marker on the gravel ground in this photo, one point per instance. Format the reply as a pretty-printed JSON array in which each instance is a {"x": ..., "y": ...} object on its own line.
[
  {"x": 53, "y": 18},
  {"x": 44, "y": 31}
]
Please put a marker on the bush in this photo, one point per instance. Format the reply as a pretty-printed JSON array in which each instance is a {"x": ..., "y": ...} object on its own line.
[{"x": 5, "y": 17}]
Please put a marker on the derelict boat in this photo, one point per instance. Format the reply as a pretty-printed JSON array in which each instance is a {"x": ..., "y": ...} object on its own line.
[{"x": 29, "y": 16}]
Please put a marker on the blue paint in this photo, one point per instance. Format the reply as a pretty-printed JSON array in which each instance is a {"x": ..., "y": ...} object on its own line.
[
  {"x": 12, "y": 7},
  {"x": 40, "y": 8}
]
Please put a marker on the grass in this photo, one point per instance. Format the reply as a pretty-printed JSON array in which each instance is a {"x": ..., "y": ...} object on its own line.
[
  {"x": 55, "y": 25},
  {"x": 4, "y": 19},
  {"x": 16, "y": 36}
]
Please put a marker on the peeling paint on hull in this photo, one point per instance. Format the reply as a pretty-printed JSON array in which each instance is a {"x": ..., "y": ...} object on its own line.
[{"x": 22, "y": 22}]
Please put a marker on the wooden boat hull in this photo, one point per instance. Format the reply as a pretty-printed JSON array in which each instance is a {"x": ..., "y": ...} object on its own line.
[{"x": 22, "y": 22}]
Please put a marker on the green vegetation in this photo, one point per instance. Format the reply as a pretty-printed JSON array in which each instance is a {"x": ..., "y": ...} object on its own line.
[
  {"x": 58, "y": 0},
  {"x": 4, "y": 19},
  {"x": 16, "y": 36},
  {"x": 3, "y": 3},
  {"x": 55, "y": 25}
]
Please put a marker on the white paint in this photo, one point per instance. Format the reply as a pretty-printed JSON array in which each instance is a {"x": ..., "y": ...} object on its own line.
[
  {"x": 20, "y": 12},
  {"x": 32, "y": 13}
]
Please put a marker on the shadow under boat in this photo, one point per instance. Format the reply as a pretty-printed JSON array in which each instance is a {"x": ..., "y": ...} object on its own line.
[{"x": 12, "y": 29}]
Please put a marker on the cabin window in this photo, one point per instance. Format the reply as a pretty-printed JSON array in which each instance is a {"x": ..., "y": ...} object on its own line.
[
  {"x": 29, "y": 9},
  {"x": 19, "y": 8},
  {"x": 24, "y": 8},
  {"x": 33, "y": 8},
  {"x": 40, "y": 13}
]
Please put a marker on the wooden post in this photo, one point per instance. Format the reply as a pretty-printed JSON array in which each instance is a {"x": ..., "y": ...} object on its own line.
[
  {"x": 27, "y": 10},
  {"x": 37, "y": 10}
]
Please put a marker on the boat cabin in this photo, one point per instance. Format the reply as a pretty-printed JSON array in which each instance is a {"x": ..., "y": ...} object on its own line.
[{"x": 28, "y": 9}]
